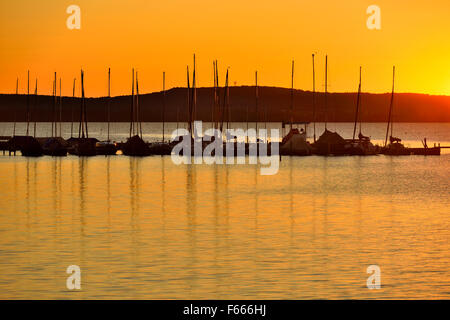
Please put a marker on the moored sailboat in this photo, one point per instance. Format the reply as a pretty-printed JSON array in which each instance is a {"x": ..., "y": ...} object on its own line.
[
  {"x": 294, "y": 143},
  {"x": 107, "y": 147},
  {"x": 83, "y": 145},
  {"x": 329, "y": 143},
  {"x": 28, "y": 145},
  {"x": 162, "y": 147},
  {"x": 395, "y": 147},
  {"x": 54, "y": 145},
  {"x": 361, "y": 146},
  {"x": 135, "y": 145}
]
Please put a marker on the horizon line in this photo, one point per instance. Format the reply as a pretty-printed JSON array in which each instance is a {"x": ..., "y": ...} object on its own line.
[{"x": 239, "y": 86}]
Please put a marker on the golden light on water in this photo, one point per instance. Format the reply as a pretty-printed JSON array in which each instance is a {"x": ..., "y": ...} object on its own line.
[{"x": 146, "y": 228}]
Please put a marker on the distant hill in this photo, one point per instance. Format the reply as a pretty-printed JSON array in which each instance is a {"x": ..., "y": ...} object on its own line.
[{"x": 409, "y": 107}]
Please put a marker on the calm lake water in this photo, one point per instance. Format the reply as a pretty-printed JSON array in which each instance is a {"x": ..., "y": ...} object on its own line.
[{"x": 145, "y": 228}]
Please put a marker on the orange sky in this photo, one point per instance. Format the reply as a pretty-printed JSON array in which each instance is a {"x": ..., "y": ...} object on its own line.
[{"x": 157, "y": 36}]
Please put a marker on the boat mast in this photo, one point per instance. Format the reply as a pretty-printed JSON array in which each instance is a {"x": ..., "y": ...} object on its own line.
[
  {"x": 73, "y": 96},
  {"x": 227, "y": 99},
  {"x": 35, "y": 104},
  {"x": 390, "y": 108},
  {"x": 81, "y": 110},
  {"x": 164, "y": 104},
  {"x": 109, "y": 101},
  {"x": 357, "y": 106},
  {"x": 213, "y": 124},
  {"x": 17, "y": 95},
  {"x": 84, "y": 106},
  {"x": 194, "y": 93},
  {"x": 225, "y": 103},
  {"x": 217, "y": 101},
  {"x": 360, "y": 109},
  {"x": 54, "y": 122},
  {"x": 80, "y": 125},
  {"x": 256, "y": 100},
  {"x": 326, "y": 88},
  {"x": 292, "y": 96},
  {"x": 314, "y": 97},
  {"x": 265, "y": 121},
  {"x": 52, "y": 116},
  {"x": 247, "y": 121},
  {"x": 138, "y": 118},
  {"x": 28, "y": 101},
  {"x": 189, "y": 102},
  {"x": 132, "y": 104},
  {"x": 83, "y": 128},
  {"x": 60, "y": 108}
]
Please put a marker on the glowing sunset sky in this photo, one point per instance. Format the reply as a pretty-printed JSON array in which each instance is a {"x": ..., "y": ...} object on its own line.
[{"x": 263, "y": 35}]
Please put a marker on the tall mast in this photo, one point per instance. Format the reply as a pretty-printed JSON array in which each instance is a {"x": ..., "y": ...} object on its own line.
[
  {"x": 357, "y": 106},
  {"x": 189, "y": 102},
  {"x": 109, "y": 101},
  {"x": 226, "y": 102},
  {"x": 292, "y": 96},
  {"x": 256, "y": 100},
  {"x": 390, "y": 108},
  {"x": 326, "y": 89},
  {"x": 84, "y": 106},
  {"x": 60, "y": 108},
  {"x": 17, "y": 95},
  {"x": 194, "y": 93},
  {"x": 81, "y": 109},
  {"x": 54, "y": 122},
  {"x": 73, "y": 96},
  {"x": 138, "y": 118},
  {"x": 314, "y": 97},
  {"x": 81, "y": 125},
  {"x": 247, "y": 120},
  {"x": 35, "y": 104},
  {"x": 214, "y": 96},
  {"x": 228, "y": 99},
  {"x": 132, "y": 104},
  {"x": 28, "y": 101},
  {"x": 265, "y": 120},
  {"x": 217, "y": 102},
  {"x": 163, "y": 105},
  {"x": 194, "y": 85},
  {"x": 52, "y": 116}
]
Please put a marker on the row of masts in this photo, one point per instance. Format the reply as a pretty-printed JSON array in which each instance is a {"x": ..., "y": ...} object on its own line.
[
  {"x": 220, "y": 117},
  {"x": 220, "y": 112}
]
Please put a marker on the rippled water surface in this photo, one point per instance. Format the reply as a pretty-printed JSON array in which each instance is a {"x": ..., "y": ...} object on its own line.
[{"x": 147, "y": 228}]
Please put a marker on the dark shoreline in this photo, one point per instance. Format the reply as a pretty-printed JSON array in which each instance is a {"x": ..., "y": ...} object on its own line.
[{"x": 409, "y": 107}]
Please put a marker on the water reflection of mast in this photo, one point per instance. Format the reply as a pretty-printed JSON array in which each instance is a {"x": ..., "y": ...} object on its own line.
[
  {"x": 35, "y": 185},
  {"x": 60, "y": 192},
  {"x": 55, "y": 190},
  {"x": 325, "y": 212},
  {"x": 191, "y": 197},
  {"x": 292, "y": 224},
  {"x": 108, "y": 206},
  {"x": 134, "y": 198},
  {"x": 27, "y": 195},
  {"x": 134, "y": 188},
  {"x": 81, "y": 173},
  {"x": 82, "y": 169},
  {"x": 108, "y": 190},
  {"x": 217, "y": 251},
  {"x": 163, "y": 194},
  {"x": 256, "y": 238}
]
